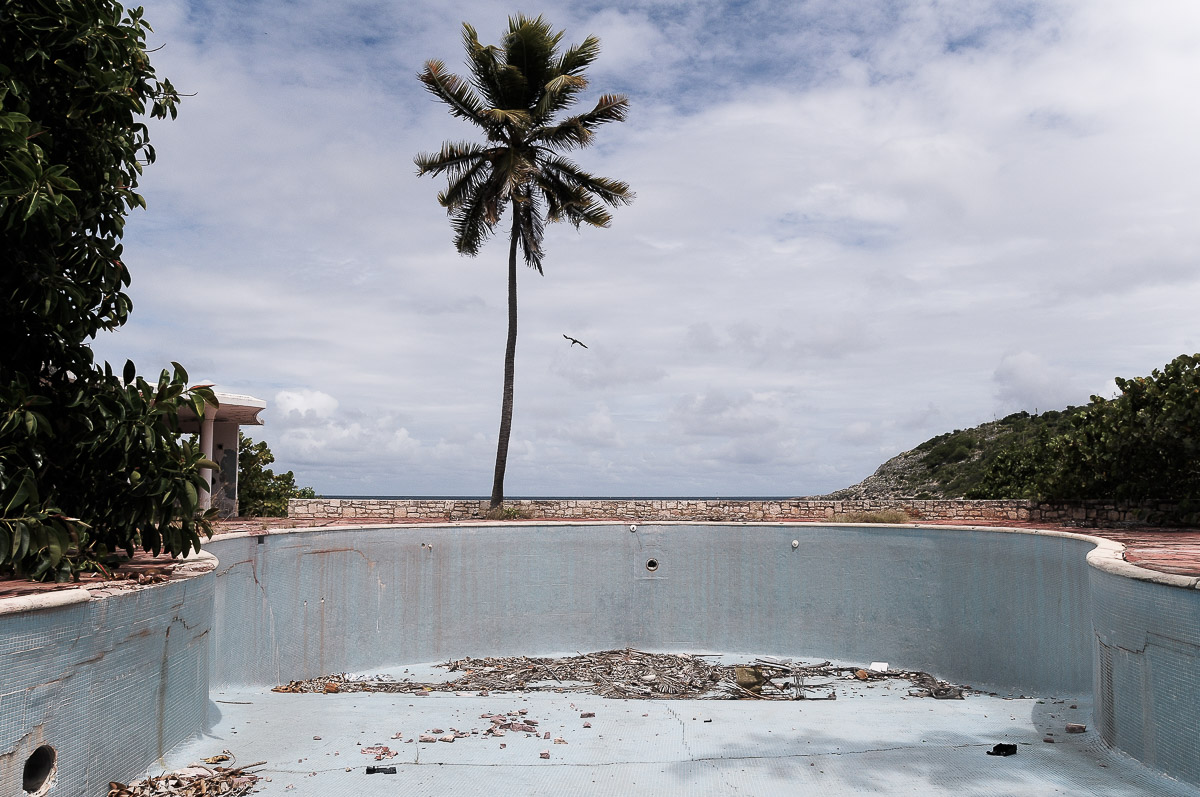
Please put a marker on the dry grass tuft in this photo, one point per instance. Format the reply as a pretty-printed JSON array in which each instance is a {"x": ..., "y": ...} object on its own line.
[
  {"x": 507, "y": 513},
  {"x": 878, "y": 516}
]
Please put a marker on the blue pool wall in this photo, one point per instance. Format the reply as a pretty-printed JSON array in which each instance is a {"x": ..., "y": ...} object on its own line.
[
  {"x": 1005, "y": 610},
  {"x": 1146, "y": 678},
  {"x": 110, "y": 682},
  {"x": 113, "y": 682}
]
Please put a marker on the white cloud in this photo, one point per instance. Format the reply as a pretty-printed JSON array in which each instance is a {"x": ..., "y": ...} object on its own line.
[
  {"x": 304, "y": 403},
  {"x": 857, "y": 226}
]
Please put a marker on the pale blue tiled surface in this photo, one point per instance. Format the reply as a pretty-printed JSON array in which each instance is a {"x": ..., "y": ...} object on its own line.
[
  {"x": 109, "y": 684},
  {"x": 1148, "y": 671},
  {"x": 114, "y": 683},
  {"x": 1009, "y": 610}
]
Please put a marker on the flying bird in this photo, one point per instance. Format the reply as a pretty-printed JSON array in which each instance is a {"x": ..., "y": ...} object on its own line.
[{"x": 573, "y": 341}]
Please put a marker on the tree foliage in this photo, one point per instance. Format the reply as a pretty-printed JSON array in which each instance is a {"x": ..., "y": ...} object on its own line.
[
  {"x": 1143, "y": 444},
  {"x": 262, "y": 492},
  {"x": 90, "y": 461},
  {"x": 515, "y": 96}
]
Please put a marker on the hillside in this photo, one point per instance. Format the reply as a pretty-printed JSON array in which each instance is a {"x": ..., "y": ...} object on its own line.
[{"x": 952, "y": 464}]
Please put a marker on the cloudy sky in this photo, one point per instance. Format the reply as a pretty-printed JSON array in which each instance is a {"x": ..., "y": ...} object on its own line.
[{"x": 857, "y": 225}]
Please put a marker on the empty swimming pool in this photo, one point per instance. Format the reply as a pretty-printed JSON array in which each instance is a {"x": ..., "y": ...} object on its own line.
[{"x": 1045, "y": 614}]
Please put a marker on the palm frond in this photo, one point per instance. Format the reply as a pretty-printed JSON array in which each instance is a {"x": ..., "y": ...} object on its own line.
[
  {"x": 484, "y": 62},
  {"x": 590, "y": 212},
  {"x": 475, "y": 218},
  {"x": 455, "y": 157},
  {"x": 611, "y": 192},
  {"x": 461, "y": 187},
  {"x": 578, "y": 57},
  {"x": 610, "y": 108},
  {"x": 559, "y": 195},
  {"x": 567, "y": 200},
  {"x": 567, "y": 135},
  {"x": 517, "y": 117},
  {"x": 530, "y": 228},
  {"x": 553, "y": 206},
  {"x": 529, "y": 48},
  {"x": 513, "y": 87},
  {"x": 558, "y": 93},
  {"x": 576, "y": 131},
  {"x": 452, "y": 90}
]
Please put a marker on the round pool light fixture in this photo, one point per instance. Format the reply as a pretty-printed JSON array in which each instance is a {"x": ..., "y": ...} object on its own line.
[
  {"x": 633, "y": 527},
  {"x": 795, "y": 543},
  {"x": 39, "y": 772}
]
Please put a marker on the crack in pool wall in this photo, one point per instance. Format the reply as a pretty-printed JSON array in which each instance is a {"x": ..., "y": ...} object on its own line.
[{"x": 104, "y": 682}]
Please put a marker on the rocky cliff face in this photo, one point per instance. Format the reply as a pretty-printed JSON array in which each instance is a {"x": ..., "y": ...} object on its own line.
[
  {"x": 946, "y": 466},
  {"x": 893, "y": 479}
]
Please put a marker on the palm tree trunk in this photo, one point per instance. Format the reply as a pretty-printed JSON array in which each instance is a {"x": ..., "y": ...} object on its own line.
[{"x": 510, "y": 356}]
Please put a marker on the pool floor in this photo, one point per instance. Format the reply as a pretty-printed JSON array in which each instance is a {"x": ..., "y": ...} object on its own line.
[{"x": 873, "y": 739}]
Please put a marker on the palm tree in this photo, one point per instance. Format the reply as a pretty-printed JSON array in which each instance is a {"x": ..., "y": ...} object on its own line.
[{"x": 515, "y": 92}]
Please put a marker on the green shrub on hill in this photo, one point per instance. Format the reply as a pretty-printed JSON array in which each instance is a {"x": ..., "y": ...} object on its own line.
[{"x": 1142, "y": 444}]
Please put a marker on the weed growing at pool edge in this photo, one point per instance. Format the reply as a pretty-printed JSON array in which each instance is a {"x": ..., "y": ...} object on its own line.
[
  {"x": 507, "y": 513},
  {"x": 879, "y": 516}
]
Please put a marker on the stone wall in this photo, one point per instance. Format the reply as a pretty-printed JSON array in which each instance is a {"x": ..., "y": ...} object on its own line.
[{"x": 1089, "y": 514}]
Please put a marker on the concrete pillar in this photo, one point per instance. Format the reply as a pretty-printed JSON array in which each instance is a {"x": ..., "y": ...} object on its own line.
[
  {"x": 206, "y": 448},
  {"x": 225, "y": 454}
]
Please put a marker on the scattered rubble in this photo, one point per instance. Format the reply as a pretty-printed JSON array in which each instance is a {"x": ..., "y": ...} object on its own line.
[
  {"x": 928, "y": 686},
  {"x": 380, "y": 751},
  {"x": 636, "y": 674}
]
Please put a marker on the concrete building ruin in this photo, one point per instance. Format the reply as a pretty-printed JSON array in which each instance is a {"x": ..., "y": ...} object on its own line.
[{"x": 218, "y": 433}]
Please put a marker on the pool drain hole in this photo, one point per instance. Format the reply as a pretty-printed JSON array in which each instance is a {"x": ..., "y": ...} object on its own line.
[
  {"x": 39, "y": 770},
  {"x": 651, "y": 565}
]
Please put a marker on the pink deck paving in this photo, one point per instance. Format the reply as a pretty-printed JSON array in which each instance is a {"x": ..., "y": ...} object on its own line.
[{"x": 1174, "y": 551}]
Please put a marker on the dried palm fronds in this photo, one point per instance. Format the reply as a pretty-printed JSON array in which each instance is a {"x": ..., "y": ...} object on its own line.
[
  {"x": 194, "y": 781},
  {"x": 628, "y": 673}
]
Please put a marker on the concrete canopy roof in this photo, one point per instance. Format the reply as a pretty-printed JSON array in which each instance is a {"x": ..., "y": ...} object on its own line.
[{"x": 233, "y": 408}]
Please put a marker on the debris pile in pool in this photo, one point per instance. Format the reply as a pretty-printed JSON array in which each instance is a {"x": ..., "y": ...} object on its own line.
[
  {"x": 636, "y": 674},
  {"x": 194, "y": 781}
]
